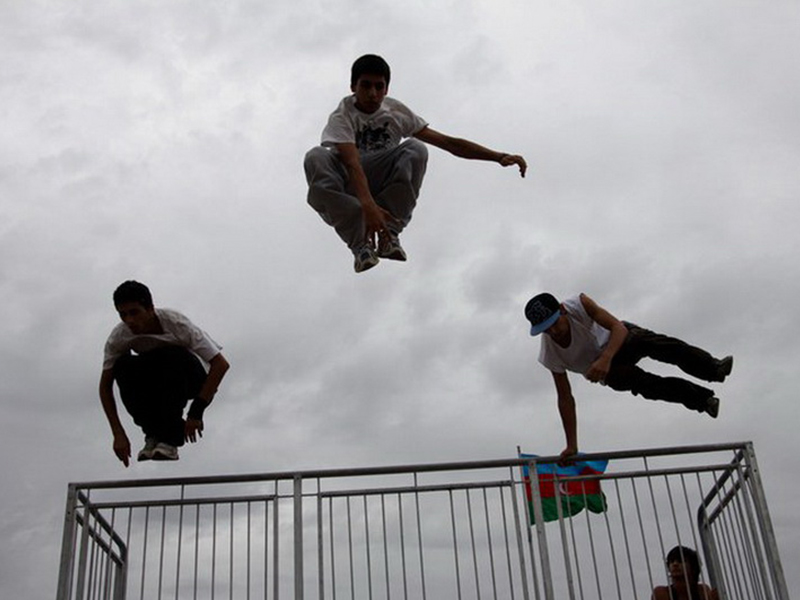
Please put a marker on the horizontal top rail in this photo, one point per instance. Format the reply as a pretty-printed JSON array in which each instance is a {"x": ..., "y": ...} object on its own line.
[{"x": 399, "y": 469}]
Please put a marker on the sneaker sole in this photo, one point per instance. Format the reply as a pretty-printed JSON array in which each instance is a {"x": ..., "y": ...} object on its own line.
[
  {"x": 397, "y": 255},
  {"x": 161, "y": 457},
  {"x": 366, "y": 266}
]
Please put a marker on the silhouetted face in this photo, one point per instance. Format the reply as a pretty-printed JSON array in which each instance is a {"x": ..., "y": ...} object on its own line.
[
  {"x": 559, "y": 330},
  {"x": 370, "y": 90},
  {"x": 680, "y": 571},
  {"x": 140, "y": 320}
]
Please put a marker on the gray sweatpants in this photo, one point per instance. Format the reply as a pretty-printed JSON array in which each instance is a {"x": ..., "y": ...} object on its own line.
[{"x": 394, "y": 177}]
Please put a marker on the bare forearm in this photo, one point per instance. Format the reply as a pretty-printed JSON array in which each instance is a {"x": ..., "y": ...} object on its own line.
[
  {"x": 569, "y": 420},
  {"x": 109, "y": 404},
  {"x": 471, "y": 150},
  {"x": 219, "y": 366}
]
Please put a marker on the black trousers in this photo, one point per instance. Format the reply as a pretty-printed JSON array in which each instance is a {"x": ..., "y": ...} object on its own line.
[
  {"x": 155, "y": 387},
  {"x": 624, "y": 374}
]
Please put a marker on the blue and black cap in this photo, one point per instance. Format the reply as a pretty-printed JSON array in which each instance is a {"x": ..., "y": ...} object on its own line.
[{"x": 542, "y": 311}]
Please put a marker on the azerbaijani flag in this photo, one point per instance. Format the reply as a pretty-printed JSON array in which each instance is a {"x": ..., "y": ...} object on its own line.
[{"x": 575, "y": 495}]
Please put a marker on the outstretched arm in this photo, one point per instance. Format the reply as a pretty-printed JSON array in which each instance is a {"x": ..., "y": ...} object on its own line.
[
  {"x": 122, "y": 446},
  {"x": 600, "y": 367},
  {"x": 566, "y": 409},
  {"x": 467, "y": 149},
  {"x": 375, "y": 218},
  {"x": 194, "y": 422}
]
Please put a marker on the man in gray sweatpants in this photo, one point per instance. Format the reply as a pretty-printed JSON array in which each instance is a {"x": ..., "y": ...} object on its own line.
[{"x": 365, "y": 177}]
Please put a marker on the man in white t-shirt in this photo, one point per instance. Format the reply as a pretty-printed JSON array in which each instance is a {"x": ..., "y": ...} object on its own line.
[
  {"x": 583, "y": 337},
  {"x": 365, "y": 178},
  {"x": 153, "y": 357}
]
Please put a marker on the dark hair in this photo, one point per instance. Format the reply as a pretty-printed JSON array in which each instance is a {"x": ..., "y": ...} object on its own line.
[
  {"x": 369, "y": 64},
  {"x": 133, "y": 291},
  {"x": 686, "y": 555}
]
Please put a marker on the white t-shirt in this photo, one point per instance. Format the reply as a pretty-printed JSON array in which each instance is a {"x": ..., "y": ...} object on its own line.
[
  {"x": 178, "y": 331},
  {"x": 381, "y": 130},
  {"x": 588, "y": 341}
]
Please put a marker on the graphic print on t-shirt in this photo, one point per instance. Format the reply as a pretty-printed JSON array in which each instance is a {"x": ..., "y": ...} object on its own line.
[{"x": 369, "y": 139}]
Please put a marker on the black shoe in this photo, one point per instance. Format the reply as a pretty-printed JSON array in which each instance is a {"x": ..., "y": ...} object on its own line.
[
  {"x": 389, "y": 247},
  {"x": 712, "y": 406},
  {"x": 724, "y": 368}
]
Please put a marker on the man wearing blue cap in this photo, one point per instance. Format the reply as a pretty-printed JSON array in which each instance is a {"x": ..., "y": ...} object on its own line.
[{"x": 583, "y": 337}]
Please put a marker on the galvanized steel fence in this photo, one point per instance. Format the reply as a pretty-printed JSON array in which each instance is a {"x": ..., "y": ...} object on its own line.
[{"x": 452, "y": 530}]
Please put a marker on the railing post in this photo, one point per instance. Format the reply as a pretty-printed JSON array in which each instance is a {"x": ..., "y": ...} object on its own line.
[
  {"x": 541, "y": 536},
  {"x": 298, "y": 537},
  {"x": 765, "y": 522},
  {"x": 67, "y": 546}
]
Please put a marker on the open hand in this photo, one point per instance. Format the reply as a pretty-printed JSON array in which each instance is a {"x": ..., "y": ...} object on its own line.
[{"x": 192, "y": 430}]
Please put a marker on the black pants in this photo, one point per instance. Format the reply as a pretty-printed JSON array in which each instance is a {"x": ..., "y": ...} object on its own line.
[
  {"x": 155, "y": 387},
  {"x": 626, "y": 376}
]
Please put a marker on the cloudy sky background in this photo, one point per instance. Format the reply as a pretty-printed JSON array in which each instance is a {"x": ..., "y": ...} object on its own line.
[{"x": 163, "y": 141}]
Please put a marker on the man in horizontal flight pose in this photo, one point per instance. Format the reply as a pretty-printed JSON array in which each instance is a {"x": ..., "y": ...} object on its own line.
[
  {"x": 365, "y": 177},
  {"x": 583, "y": 337},
  {"x": 157, "y": 381}
]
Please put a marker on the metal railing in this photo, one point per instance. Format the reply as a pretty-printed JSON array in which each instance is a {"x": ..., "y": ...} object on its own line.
[{"x": 452, "y": 530}]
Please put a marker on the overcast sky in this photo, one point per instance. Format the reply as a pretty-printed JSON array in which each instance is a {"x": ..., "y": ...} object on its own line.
[{"x": 163, "y": 141}]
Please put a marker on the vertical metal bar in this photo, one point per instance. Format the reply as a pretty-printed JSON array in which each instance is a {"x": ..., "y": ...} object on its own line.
[
  {"x": 320, "y": 546},
  {"x": 161, "y": 551},
  {"x": 520, "y": 544},
  {"x": 472, "y": 543},
  {"x": 230, "y": 551},
  {"x": 350, "y": 550},
  {"x": 541, "y": 536},
  {"x": 402, "y": 547},
  {"x": 591, "y": 546},
  {"x": 419, "y": 540},
  {"x": 754, "y": 541},
  {"x": 275, "y": 546},
  {"x": 82, "y": 553},
  {"x": 765, "y": 523},
  {"x": 333, "y": 550},
  {"x": 214, "y": 552},
  {"x": 613, "y": 552},
  {"x": 625, "y": 538},
  {"x": 455, "y": 544},
  {"x": 565, "y": 545},
  {"x": 196, "y": 549},
  {"x": 367, "y": 543},
  {"x": 650, "y": 581},
  {"x": 504, "y": 518},
  {"x": 249, "y": 548},
  {"x": 385, "y": 546},
  {"x": 489, "y": 542},
  {"x": 298, "y": 537},
  {"x": 180, "y": 544},
  {"x": 144, "y": 550},
  {"x": 266, "y": 548}
]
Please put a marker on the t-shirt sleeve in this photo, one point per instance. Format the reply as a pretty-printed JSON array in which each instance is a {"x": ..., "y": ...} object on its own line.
[
  {"x": 411, "y": 122},
  {"x": 192, "y": 337},
  {"x": 339, "y": 129}
]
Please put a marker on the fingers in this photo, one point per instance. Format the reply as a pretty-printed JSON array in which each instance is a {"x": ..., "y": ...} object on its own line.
[
  {"x": 193, "y": 430},
  {"x": 515, "y": 159},
  {"x": 123, "y": 454}
]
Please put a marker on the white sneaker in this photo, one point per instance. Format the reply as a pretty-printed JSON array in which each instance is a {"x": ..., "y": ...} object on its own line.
[
  {"x": 365, "y": 258},
  {"x": 164, "y": 451},
  {"x": 389, "y": 247},
  {"x": 146, "y": 453}
]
